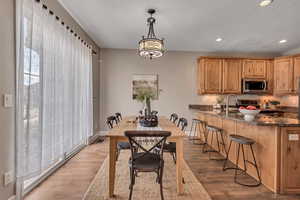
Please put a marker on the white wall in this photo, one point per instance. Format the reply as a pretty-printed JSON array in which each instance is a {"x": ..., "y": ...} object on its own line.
[{"x": 7, "y": 85}]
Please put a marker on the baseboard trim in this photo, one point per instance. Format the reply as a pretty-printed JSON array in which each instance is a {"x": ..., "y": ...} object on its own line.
[
  {"x": 93, "y": 139},
  {"x": 13, "y": 197}
]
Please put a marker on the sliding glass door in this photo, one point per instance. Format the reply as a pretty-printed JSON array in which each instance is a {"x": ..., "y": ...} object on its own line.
[{"x": 54, "y": 92}]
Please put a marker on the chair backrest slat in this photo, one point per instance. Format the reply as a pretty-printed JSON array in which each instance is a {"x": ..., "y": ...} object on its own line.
[
  {"x": 110, "y": 121},
  {"x": 173, "y": 117},
  {"x": 118, "y": 116},
  {"x": 182, "y": 123},
  {"x": 154, "y": 112},
  {"x": 137, "y": 141}
]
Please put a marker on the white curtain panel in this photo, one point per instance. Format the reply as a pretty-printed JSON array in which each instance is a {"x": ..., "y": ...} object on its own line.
[{"x": 55, "y": 91}]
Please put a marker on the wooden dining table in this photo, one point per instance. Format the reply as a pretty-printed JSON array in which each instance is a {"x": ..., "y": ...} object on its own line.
[{"x": 116, "y": 135}]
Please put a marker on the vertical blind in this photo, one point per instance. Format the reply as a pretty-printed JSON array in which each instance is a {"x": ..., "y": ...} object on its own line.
[{"x": 55, "y": 91}]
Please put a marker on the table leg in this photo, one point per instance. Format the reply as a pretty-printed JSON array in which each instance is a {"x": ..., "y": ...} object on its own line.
[
  {"x": 179, "y": 165},
  {"x": 112, "y": 165}
]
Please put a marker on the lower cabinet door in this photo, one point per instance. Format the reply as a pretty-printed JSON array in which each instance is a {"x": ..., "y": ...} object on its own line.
[{"x": 290, "y": 160}]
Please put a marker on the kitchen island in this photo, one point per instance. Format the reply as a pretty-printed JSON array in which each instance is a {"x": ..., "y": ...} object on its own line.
[{"x": 277, "y": 147}]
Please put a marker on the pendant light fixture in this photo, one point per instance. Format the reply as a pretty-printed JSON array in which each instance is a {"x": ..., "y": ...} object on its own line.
[{"x": 150, "y": 46}]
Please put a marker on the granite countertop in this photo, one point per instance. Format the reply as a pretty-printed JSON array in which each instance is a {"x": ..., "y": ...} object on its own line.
[
  {"x": 285, "y": 109},
  {"x": 260, "y": 120}
]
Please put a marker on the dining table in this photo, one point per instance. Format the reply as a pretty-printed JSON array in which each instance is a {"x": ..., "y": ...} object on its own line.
[{"x": 116, "y": 135}]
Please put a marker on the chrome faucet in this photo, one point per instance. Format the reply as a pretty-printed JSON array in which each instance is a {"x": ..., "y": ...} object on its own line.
[{"x": 227, "y": 103}]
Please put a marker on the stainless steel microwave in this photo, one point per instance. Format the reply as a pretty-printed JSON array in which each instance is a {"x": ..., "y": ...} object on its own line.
[{"x": 255, "y": 86}]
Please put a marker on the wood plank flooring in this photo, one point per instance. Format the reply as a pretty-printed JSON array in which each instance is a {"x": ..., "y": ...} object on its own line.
[
  {"x": 220, "y": 184},
  {"x": 72, "y": 180}
]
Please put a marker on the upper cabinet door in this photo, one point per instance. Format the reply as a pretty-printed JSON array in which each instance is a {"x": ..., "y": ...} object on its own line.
[
  {"x": 248, "y": 67},
  {"x": 296, "y": 73},
  {"x": 254, "y": 68},
  {"x": 232, "y": 76},
  {"x": 210, "y": 74},
  {"x": 260, "y": 68},
  {"x": 283, "y": 76},
  {"x": 270, "y": 76}
]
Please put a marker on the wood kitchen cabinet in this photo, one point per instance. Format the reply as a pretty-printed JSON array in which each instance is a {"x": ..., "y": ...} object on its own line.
[
  {"x": 253, "y": 68},
  {"x": 224, "y": 75},
  {"x": 296, "y": 73},
  {"x": 219, "y": 76},
  {"x": 232, "y": 76},
  {"x": 283, "y": 75},
  {"x": 270, "y": 76},
  {"x": 210, "y": 75},
  {"x": 290, "y": 163}
]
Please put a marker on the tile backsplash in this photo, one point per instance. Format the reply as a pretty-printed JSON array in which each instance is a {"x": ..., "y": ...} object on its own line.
[{"x": 284, "y": 101}]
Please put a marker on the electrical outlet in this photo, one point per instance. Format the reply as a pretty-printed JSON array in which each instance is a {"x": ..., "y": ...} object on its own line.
[{"x": 8, "y": 178}]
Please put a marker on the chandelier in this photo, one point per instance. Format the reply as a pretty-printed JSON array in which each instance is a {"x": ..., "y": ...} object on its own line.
[{"x": 151, "y": 47}]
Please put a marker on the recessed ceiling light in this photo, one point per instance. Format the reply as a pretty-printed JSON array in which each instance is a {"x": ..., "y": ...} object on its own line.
[
  {"x": 265, "y": 3},
  {"x": 219, "y": 39},
  {"x": 282, "y": 41}
]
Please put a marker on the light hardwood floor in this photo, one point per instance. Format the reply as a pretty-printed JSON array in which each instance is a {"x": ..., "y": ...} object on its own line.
[{"x": 72, "y": 180}]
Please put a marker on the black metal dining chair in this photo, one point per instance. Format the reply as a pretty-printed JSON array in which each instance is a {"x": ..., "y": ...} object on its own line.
[
  {"x": 171, "y": 146},
  {"x": 118, "y": 117},
  {"x": 146, "y": 159},
  {"x": 154, "y": 112},
  {"x": 174, "y": 118},
  {"x": 111, "y": 122},
  {"x": 182, "y": 123}
]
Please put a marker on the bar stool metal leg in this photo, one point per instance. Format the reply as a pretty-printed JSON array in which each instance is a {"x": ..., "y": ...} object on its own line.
[
  {"x": 255, "y": 164},
  {"x": 206, "y": 133},
  {"x": 196, "y": 132},
  {"x": 224, "y": 145},
  {"x": 245, "y": 166},
  {"x": 191, "y": 131},
  {"x": 227, "y": 155},
  {"x": 217, "y": 133},
  {"x": 245, "y": 170},
  {"x": 241, "y": 141},
  {"x": 198, "y": 136},
  {"x": 237, "y": 163}
]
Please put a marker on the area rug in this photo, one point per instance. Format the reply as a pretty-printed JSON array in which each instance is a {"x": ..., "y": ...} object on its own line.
[{"x": 145, "y": 187}]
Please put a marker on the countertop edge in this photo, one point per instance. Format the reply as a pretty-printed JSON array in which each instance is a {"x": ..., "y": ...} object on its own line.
[{"x": 255, "y": 123}]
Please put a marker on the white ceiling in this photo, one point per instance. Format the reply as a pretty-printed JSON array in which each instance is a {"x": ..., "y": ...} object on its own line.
[{"x": 192, "y": 25}]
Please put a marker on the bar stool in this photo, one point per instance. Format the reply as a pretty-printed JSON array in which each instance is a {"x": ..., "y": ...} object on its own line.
[
  {"x": 198, "y": 128},
  {"x": 218, "y": 132},
  {"x": 241, "y": 141}
]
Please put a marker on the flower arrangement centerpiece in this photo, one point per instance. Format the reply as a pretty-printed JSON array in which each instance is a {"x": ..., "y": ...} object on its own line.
[{"x": 145, "y": 95}]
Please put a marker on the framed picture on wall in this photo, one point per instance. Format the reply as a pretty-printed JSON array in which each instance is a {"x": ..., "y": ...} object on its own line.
[{"x": 145, "y": 83}]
